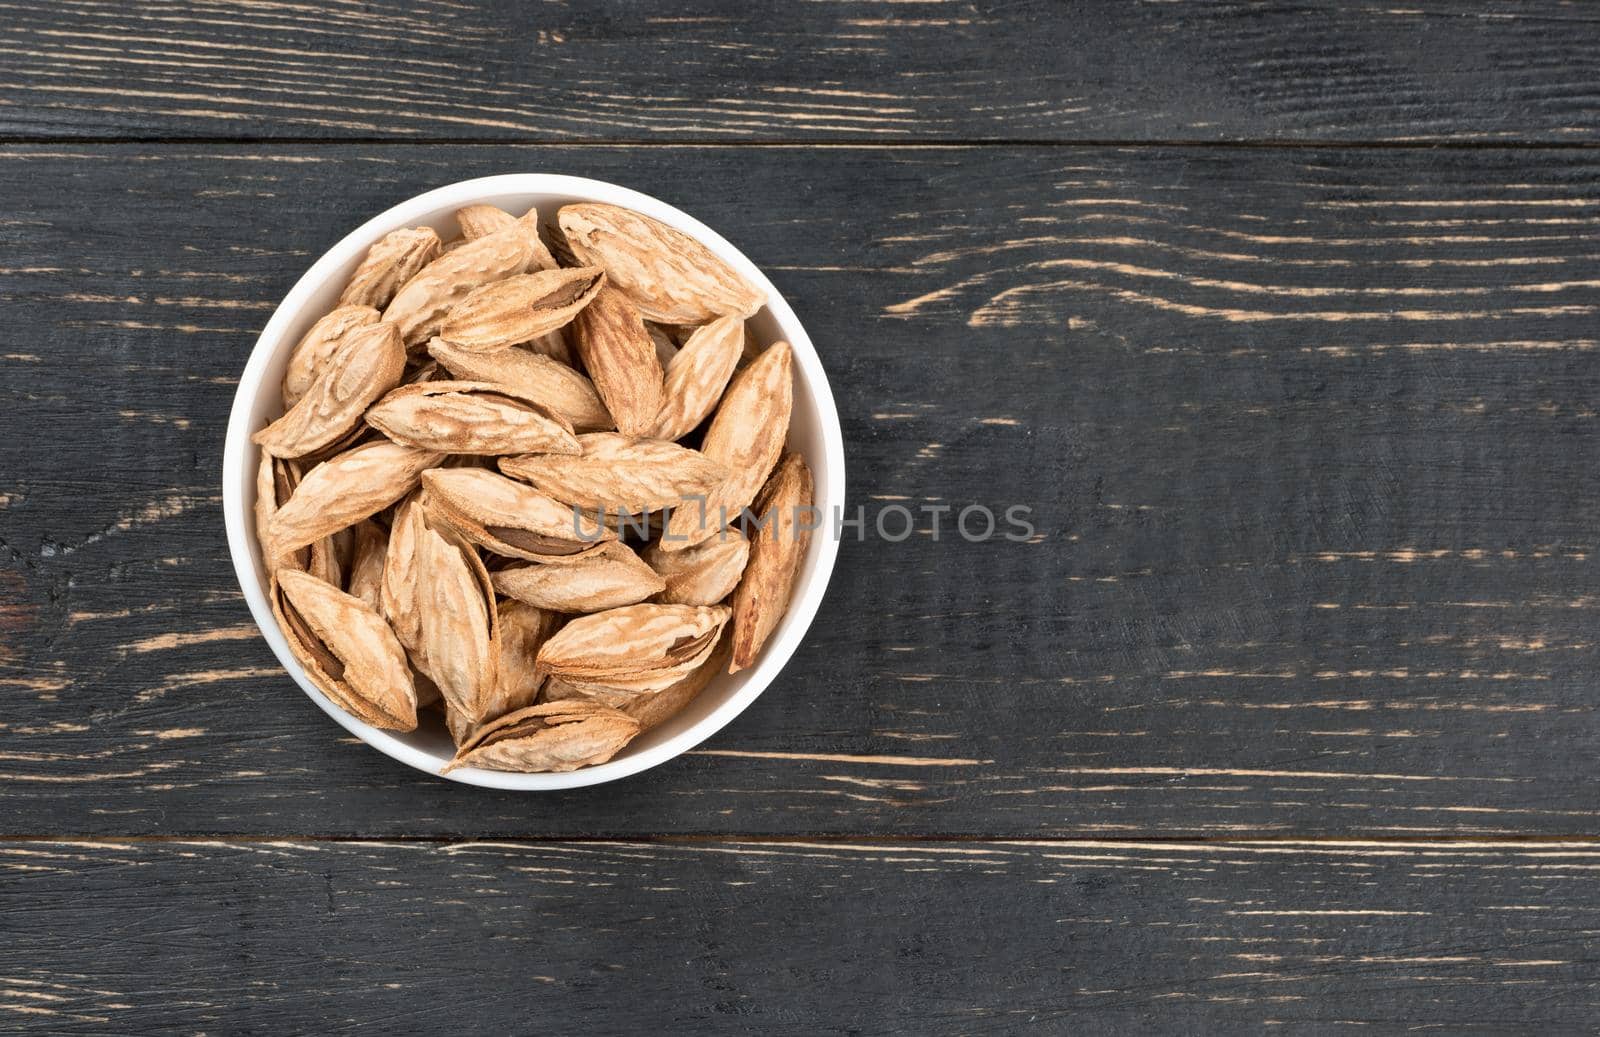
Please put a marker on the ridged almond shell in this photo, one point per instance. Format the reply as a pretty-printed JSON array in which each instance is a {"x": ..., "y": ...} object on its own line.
[
  {"x": 509, "y": 519},
  {"x": 275, "y": 483},
  {"x": 347, "y": 650},
  {"x": 368, "y": 363},
  {"x": 620, "y": 474},
  {"x": 556, "y": 736},
  {"x": 523, "y": 631},
  {"x": 697, "y": 376},
  {"x": 396, "y": 258},
  {"x": 704, "y": 574},
  {"x": 784, "y": 520},
  {"x": 318, "y": 344},
  {"x": 632, "y": 641},
  {"x": 471, "y": 418},
  {"x": 422, "y": 303},
  {"x": 479, "y": 221},
  {"x": 607, "y": 578},
  {"x": 746, "y": 436},
  {"x": 670, "y": 276},
  {"x": 402, "y": 563},
  {"x": 620, "y": 358},
  {"x": 650, "y": 709},
  {"x": 620, "y": 689},
  {"x": 346, "y": 489},
  {"x": 535, "y": 376},
  {"x": 459, "y": 622},
  {"x": 518, "y": 308}
]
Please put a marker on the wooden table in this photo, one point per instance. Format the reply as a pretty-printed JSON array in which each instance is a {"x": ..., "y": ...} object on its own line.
[{"x": 1282, "y": 319}]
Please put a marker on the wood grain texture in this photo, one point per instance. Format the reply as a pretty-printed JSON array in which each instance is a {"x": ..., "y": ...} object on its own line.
[
  {"x": 847, "y": 70},
  {"x": 751, "y": 937},
  {"x": 1309, "y": 439}
]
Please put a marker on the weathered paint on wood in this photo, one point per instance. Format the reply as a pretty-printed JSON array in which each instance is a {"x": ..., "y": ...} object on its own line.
[
  {"x": 804, "y": 937},
  {"x": 847, "y": 70},
  {"x": 1309, "y": 436}
]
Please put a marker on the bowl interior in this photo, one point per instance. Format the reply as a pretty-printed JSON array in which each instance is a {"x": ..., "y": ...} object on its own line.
[{"x": 814, "y": 433}]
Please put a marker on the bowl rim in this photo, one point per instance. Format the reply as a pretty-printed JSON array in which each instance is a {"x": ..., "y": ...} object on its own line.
[{"x": 237, "y": 450}]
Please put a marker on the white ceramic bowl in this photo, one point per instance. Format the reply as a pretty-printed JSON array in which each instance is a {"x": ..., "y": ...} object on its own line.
[{"x": 814, "y": 432}]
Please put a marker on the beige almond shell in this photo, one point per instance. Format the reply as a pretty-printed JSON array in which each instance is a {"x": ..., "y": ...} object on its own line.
[
  {"x": 318, "y": 344},
  {"x": 620, "y": 689},
  {"x": 556, "y": 736},
  {"x": 619, "y": 473},
  {"x": 509, "y": 519},
  {"x": 746, "y": 436},
  {"x": 347, "y": 650},
  {"x": 704, "y": 574},
  {"x": 670, "y": 276},
  {"x": 458, "y": 622},
  {"x": 621, "y": 359},
  {"x": 421, "y": 305},
  {"x": 780, "y": 538},
  {"x": 479, "y": 221},
  {"x": 631, "y": 641},
  {"x": 520, "y": 308},
  {"x": 275, "y": 483},
  {"x": 534, "y": 376},
  {"x": 344, "y": 490},
  {"x": 368, "y": 363},
  {"x": 697, "y": 376},
  {"x": 396, "y": 258},
  {"x": 607, "y": 578},
  {"x": 652, "y": 710},
  {"x": 523, "y": 631},
  {"x": 471, "y": 418},
  {"x": 402, "y": 564}
]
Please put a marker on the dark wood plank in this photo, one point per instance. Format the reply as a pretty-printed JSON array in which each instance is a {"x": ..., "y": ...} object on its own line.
[
  {"x": 748, "y": 937},
  {"x": 1309, "y": 437},
  {"x": 851, "y": 70}
]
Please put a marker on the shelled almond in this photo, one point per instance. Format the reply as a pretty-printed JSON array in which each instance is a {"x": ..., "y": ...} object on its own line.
[{"x": 513, "y": 484}]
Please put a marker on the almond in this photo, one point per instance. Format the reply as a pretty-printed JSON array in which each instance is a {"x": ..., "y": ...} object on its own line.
[{"x": 668, "y": 275}]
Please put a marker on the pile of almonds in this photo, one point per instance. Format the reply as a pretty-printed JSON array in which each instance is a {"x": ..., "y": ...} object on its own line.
[{"x": 541, "y": 488}]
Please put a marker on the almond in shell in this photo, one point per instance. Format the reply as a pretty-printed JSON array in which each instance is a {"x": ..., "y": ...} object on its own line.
[
  {"x": 784, "y": 520},
  {"x": 366, "y": 566},
  {"x": 318, "y": 344},
  {"x": 670, "y": 277},
  {"x": 396, "y": 258},
  {"x": 347, "y": 650},
  {"x": 523, "y": 631},
  {"x": 633, "y": 642},
  {"x": 368, "y": 363},
  {"x": 471, "y": 418},
  {"x": 479, "y": 221},
  {"x": 697, "y": 375},
  {"x": 620, "y": 358},
  {"x": 402, "y": 564},
  {"x": 704, "y": 574},
  {"x": 533, "y": 375},
  {"x": 746, "y": 436},
  {"x": 421, "y": 305},
  {"x": 519, "y": 308},
  {"x": 556, "y": 736},
  {"x": 459, "y": 623},
  {"x": 607, "y": 578},
  {"x": 344, "y": 490},
  {"x": 618, "y": 473},
  {"x": 509, "y": 519}
]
